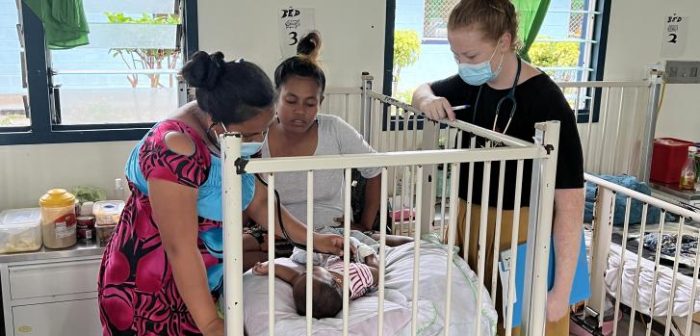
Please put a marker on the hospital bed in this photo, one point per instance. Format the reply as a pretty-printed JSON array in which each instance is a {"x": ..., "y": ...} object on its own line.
[
  {"x": 616, "y": 126},
  {"x": 407, "y": 144},
  {"x": 425, "y": 288}
]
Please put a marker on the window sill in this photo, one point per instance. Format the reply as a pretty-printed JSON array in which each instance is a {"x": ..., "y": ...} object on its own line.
[{"x": 77, "y": 133}]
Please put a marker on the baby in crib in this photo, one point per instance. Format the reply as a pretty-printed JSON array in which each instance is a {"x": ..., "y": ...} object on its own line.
[{"x": 328, "y": 277}]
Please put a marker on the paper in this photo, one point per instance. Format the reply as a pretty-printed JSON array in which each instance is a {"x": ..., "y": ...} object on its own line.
[
  {"x": 675, "y": 35},
  {"x": 581, "y": 286},
  {"x": 294, "y": 23}
]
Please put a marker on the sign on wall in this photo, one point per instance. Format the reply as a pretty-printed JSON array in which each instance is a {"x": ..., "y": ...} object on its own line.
[
  {"x": 294, "y": 23},
  {"x": 675, "y": 35}
]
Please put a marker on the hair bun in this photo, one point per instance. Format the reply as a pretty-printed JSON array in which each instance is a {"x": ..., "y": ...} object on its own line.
[
  {"x": 204, "y": 70},
  {"x": 310, "y": 45}
]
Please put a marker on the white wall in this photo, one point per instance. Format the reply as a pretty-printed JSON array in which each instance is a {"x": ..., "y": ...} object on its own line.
[
  {"x": 354, "y": 41},
  {"x": 634, "y": 42},
  {"x": 352, "y": 33},
  {"x": 28, "y": 171}
]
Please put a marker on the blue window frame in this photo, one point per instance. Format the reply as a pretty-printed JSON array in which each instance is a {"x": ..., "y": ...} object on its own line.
[{"x": 44, "y": 107}]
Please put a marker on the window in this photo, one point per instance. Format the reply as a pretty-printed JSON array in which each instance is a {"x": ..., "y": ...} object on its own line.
[
  {"x": 568, "y": 46},
  {"x": 435, "y": 20},
  {"x": 127, "y": 72},
  {"x": 13, "y": 83},
  {"x": 564, "y": 44},
  {"x": 113, "y": 88}
]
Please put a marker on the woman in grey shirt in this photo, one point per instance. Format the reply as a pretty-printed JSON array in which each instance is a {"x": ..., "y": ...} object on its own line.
[{"x": 301, "y": 131}]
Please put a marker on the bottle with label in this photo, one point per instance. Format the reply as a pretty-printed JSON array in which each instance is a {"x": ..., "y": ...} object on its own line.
[
  {"x": 688, "y": 176},
  {"x": 58, "y": 220}
]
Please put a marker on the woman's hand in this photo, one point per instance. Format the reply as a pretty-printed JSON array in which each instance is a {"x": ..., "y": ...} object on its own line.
[
  {"x": 214, "y": 328},
  {"x": 328, "y": 243},
  {"x": 437, "y": 108},
  {"x": 261, "y": 268}
]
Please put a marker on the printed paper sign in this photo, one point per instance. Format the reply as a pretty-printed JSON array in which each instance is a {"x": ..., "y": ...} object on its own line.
[
  {"x": 294, "y": 23},
  {"x": 675, "y": 35}
]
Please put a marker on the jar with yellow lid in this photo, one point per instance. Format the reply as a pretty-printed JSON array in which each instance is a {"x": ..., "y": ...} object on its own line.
[{"x": 58, "y": 220}]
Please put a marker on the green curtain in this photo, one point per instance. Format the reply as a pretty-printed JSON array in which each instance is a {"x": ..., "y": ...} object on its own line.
[
  {"x": 64, "y": 22},
  {"x": 531, "y": 14}
]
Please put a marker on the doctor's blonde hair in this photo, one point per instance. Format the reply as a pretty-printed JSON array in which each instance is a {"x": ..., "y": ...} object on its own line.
[{"x": 492, "y": 17}]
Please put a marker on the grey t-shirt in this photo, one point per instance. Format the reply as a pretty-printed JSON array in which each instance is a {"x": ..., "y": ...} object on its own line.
[{"x": 335, "y": 136}]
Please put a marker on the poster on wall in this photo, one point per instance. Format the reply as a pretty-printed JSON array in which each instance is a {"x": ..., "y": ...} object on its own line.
[
  {"x": 294, "y": 23},
  {"x": 675, "y": 35}
]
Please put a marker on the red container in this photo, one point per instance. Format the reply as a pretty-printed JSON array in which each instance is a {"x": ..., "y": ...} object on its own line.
[{"x": 668, "y": 159}]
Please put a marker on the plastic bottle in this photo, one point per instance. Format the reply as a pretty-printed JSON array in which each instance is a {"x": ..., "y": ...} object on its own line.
[
  {"x": 58, "y": 220},
  {"x": 688, "y": 176}
]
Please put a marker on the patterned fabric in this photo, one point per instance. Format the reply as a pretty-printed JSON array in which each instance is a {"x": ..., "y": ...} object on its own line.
[
  {"x": 689, "y": 244},
  {"x": 136, "y": 290},
  {"x": 360, "y": 276}
]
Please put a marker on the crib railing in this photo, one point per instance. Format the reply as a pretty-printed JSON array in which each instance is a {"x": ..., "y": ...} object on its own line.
[
  {"x": 422, "y": 165},
  {"x": 623, "y": 274},
  {"x": 621, "y": 112},
  {"x": 616, "y": 123}
]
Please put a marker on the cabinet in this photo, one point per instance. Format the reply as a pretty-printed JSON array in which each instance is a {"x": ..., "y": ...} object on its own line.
[{"x": 51, "y": 293}]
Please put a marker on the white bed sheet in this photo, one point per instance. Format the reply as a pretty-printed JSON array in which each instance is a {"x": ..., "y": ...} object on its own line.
[
  {"x": 646, "y": 288},
  {"x": 398, "y": 300}
]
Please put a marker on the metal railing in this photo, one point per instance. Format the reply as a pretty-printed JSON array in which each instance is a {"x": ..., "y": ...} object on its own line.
[
  {"x": 652, "y": 286},
  {"x": 399, "y": 157}
]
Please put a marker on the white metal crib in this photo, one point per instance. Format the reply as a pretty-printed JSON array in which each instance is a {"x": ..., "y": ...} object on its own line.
[
  {"x": 616, "y": 125},
  {"x": 416, "y": 169}
]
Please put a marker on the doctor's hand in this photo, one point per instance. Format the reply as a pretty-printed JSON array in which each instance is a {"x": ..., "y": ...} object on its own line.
[
  {"x": 328, "y": 243},
  {"x": 437, "y": 108}
]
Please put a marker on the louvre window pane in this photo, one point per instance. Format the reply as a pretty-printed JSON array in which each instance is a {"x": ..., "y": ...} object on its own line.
[
  {"x": 13, "y": 94},
  {"x": 127, "y": 72}
]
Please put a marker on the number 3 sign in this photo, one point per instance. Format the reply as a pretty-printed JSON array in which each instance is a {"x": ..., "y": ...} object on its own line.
[
  {"x": 294, "y": 23},
  {"x": 675, "y": 35}
]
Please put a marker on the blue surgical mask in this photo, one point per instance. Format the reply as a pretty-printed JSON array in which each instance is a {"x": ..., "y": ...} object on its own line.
[
  {"x": 478, "y": 74},
  {"x": 251, "y": 148}
]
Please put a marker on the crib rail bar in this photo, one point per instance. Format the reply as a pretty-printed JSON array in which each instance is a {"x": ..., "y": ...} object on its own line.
[
  {"x": 602, "y": 84},
  {"x": 271, "y": 254},
  {"x": 480, "y": 131},
  {"x": 350, "y": 90},
  {"x": 233, "y": 236},
  {"x": 394, "y": 159},
  {"x": 309, "y": 247},
  {"x": 643, "y": 197},
  {"x": 540, "y": 230}
]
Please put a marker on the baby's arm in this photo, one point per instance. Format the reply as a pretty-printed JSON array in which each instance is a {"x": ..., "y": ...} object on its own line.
[
  {"x": 282, "y": 272},
  {"x": 373, "y": 263}
]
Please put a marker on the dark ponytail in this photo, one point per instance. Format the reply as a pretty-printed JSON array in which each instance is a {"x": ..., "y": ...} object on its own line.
[
  {"x": 304, "y": 64},
  {"x": 230, "y": 92}
]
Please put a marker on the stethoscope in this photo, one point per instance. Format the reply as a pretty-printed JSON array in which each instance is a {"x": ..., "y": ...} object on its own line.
[{"x": 510, "y": 97}]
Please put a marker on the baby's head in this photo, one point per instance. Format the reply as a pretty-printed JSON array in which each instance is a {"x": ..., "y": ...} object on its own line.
[{"x": 327, "y": 293}]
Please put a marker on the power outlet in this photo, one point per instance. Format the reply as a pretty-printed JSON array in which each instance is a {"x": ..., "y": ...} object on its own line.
[{"x": 682, "y": 72}]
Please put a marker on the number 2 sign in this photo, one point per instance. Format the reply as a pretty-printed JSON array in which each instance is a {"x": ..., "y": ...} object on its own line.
[
  {"x": 294, "y": 23},
  {"x": 675, "y": 35}
]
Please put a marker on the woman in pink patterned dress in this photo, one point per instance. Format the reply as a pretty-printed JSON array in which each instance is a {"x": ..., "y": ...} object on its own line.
[{"x": 161, "y": 272}]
